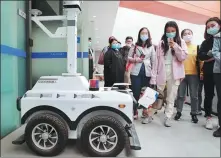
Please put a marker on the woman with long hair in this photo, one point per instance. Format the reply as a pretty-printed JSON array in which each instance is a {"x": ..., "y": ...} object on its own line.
[
  {"x": 169, "y": 68},
  {"x": 205, "y": 54},
  {"x": 210, "y": 53},
  {"x": 143, "y": 56}
]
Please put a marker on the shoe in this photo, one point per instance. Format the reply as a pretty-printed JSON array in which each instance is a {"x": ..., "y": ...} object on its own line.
[
  {"x": 209, "y": 123},
  {"x": 194, "y": 119},
  {"x": 136, "y": 116},
  {"x": 144, "y": 113},
  {"x": 217, "y": 133},
  {"x": 147, "y": 120},
  {"x": 167, "y": 122},
  {"x": 178, "y": 115},
  {"x": 199, "y": 113}
]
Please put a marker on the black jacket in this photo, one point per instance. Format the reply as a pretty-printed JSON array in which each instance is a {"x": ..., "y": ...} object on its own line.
[
  {"x": 205, "y": 47},
  {"x": 114, "y": 67}
]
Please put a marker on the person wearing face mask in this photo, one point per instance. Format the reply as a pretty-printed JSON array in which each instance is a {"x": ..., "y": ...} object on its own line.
[
  {"x": 142, "y": 56},
  {"x": 191, "y": 78},
  {"x": 114, "y": 65},
  {"x": 125, "y": 50},
  {"x": 91, "y": 58},
  {"x": 205, "y": 54},
  {"x": 169, "y": 68},
  {"x": 214, "y": 29}
]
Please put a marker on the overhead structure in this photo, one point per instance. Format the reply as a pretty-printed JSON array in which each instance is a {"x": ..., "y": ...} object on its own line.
[{"x": 196, "y": 12}]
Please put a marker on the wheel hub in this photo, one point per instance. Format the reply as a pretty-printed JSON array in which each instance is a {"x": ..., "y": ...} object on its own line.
[
  {"x": 45, "y": 136},
  {"x": 103, "y": 138}
]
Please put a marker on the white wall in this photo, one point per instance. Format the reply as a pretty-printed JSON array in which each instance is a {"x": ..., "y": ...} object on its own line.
[{"x": 128, "y": 22}]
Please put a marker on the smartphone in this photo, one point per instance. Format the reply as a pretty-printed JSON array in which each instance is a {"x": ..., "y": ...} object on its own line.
[
  {"x": 169, "y": 39},
  {"x": 142, "y": 56}
]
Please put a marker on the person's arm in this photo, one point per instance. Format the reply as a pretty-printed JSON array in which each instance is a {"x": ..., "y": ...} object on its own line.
[
  {"x": 155, "y": 65},
  {"x": 216, "y": 49},
  {"x": 132, "y": 58},
  {"x": 180, "y": 51},
  {"x": 203, "y": 53},
  {"x": 153, "y": 59},
  {"x": 131, "y": 55}
]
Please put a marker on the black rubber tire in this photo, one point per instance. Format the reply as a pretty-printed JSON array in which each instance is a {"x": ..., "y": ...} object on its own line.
[
  {"x": 59, "y": 126},
  {"x": 108, "y": 121}
]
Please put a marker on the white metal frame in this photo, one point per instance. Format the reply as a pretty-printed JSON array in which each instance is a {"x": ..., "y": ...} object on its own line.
[{"x": 69, "y": 32}]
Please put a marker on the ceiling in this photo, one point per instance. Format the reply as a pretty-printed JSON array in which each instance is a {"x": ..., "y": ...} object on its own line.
[
  {"x": 196, "y": 12},
  {"x": 102, "y": 14}
]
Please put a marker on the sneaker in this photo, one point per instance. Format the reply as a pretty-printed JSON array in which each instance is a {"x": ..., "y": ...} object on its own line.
[
  {"x": 178, "y": 115},
  {"x": 136, "y": 116},
  {"x": 217, "y": 133},
  {"x": 167, "y": 122},
  {"x": 209, "y": 123},
  {"x": 147, "y": 120},
  {"x": 194, "y": 119},
  {"x": 144, "y": 113},
  {"x": 199, "y": 113}
]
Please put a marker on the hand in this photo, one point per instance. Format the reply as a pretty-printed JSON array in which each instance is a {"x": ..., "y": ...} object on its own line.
[
  {"x": 210, "y": 53},
  {"x": 211, "y": 59},
  {"x": 171, "y": 44},
  {"x": 138, "y": 60},
  {"x": 201, "y": 77}
]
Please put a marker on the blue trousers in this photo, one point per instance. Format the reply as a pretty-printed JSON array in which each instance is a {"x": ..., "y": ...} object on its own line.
[{"x": 137, "y": 83}]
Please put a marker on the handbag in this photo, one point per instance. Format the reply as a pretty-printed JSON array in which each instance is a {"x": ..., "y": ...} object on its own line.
[
  {"x": 129, "y": 64},
  {"x": 101, "y": 57}
]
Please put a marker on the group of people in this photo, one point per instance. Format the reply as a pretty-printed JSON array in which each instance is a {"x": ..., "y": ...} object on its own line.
[{"x": 174, "y": 65}]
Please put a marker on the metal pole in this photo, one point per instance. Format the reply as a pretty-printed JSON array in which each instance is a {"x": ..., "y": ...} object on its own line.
[{"x": 71, "y": 41}]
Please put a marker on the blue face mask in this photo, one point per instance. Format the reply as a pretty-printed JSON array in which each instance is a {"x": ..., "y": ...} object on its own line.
[
  {"x": 213, "y": 30},
  {"x": 171, "y": 34},
  {"x": 114, "y": 46},
  {"x": 143, "y": 37},
  {"x": 119, "y": 46},
  {"x": 89, "y": 44}
]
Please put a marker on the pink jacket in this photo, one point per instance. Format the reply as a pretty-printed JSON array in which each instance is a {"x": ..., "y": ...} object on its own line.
[{"x": 158, "y": 71}]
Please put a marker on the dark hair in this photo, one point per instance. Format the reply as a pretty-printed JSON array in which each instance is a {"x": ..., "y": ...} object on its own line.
[
  {"x": 216, "y": 19},
  {"x": 129, "y": 37},
  {"x": 89, "y": 38},
  {"x": 111, "y": 40},
  {"x": 148, "y": 42},
  {"x": 182, "y": 33},
  {"x": 177, "y": 39}
]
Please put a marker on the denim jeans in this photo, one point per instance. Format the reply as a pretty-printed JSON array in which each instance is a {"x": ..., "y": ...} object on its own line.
[
  {"x": 193, "y": 82},
  {"x": 137, "y": 83}
]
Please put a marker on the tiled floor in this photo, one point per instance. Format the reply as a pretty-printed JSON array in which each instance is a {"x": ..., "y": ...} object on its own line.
[{"x": 183, "y": 139}]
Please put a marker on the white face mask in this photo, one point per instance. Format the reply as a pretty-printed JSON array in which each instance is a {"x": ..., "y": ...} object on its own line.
[
  {"x": 129, "y": 45},
  {"x": 188, "y": 38}
]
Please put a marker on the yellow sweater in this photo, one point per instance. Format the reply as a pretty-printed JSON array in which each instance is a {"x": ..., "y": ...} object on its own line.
[{"x": 190, "y": 62}]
